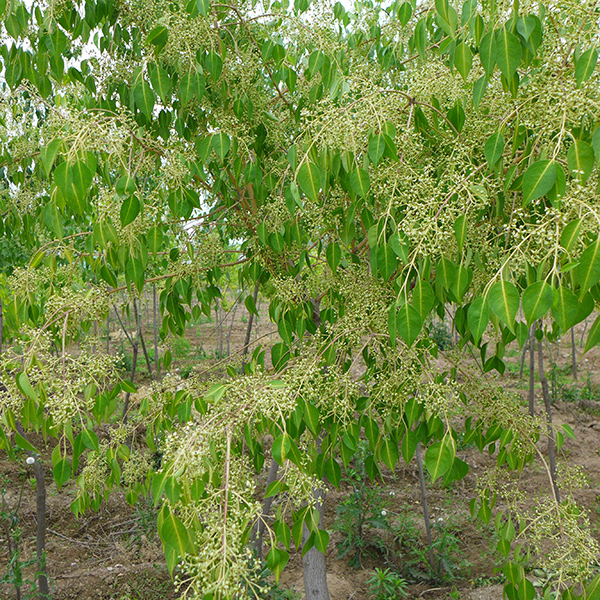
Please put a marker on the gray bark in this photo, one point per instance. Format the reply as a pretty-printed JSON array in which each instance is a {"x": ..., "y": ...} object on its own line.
[{"x": 313, "y": 562}]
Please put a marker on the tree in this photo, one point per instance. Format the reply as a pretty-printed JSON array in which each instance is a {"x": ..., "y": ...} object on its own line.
[{"x": 366, "y": 169}]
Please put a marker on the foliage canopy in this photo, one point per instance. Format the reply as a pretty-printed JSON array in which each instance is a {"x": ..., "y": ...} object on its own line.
[{"x": 366, "y": 168}]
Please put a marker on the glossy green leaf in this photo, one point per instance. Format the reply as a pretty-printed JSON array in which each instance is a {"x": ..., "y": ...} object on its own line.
[
  {"x": 565, "y": 307},
  {"x": 445, "y": 273},
  {"x": 494, "y": 147},
  {"x": 460, "y": 231},
  {"x": 439, "y": 457},
  {"x": 463, "y": 59},
  {"x": 134, "y": 271},
  {"x": 90, "y": 439},
  {"x": 580, "y": 159},
  {"x": 158, "y": 36},
  {"x": 386, "y": 260},
  {"x": 593, "y": 337},
  {"x": 537, "y": 300},
  {"x": 488, "y": 52},
  {"x": 53, "y": 219},
  {"x": 596, "y": 143},
  {"x": 570, "y": 234},
  {"x": 173, "y": 532},
  {"x": 423, "y": 297},
  {"x": 277, "y": 559},
  {"x": 585, "y": 65},
  {"x": 48, "y": 154},
  {"x": 389, "y": 453},
  {"x": 130, "y": 209},
  {"x": 503, "y": 299},
  {"x": 538, "y": 180},
  {"x": 360, "y": 182},
  {"x": 333, "y": 255},
  {"x": 144, "y": 98},
  {"x": 508, "y": 52},
  {"x": 408, "y": 323},
  {"x": 161, "y": 82},
  {"x": 25, "y": 387},
  {"x": 404, "y": 13},
  {"x": 376, "y": 148},
  {"x": 221, "y": 144},
  {"x": 309, "y": 179},
  {"x": 154, "y": 239},
  {"x": 588, "y": 269},
  {"x": 478, "y": 317},
  {"x": 526, "y": 26},
  {"x": 62, "y": 472}
]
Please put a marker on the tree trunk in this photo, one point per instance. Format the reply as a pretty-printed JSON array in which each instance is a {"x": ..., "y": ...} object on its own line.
[
  {"x": 259, "y": 528},
  {"x": 548, "y": 407},
  {"x": 249, "y": 328},
  {"x": 425, "y": 507},
  {"x": 313, "y": 562},
  {"x": 156, "y": 361},
  {"x": 573, "y": 354},
  {"x": 531, "y": 370},
  {"x": 40, "y": 539}
]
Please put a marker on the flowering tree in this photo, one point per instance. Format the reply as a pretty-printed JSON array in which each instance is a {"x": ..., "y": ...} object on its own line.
[{"x": 366, "y": 169}]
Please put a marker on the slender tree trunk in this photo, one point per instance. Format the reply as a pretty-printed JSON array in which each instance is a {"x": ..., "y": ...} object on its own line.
[
  {"x": 40, "y": 516},
  {"x": 548, "y": 407},
  {"x": 156, "y": 361},
  {"x": 136, "y": 345},
  {"x": 425, "y": 507},
  {"x": 138, "y": 318},
  {"x": 40, "y": 539},
  {"x": 258, "y": 530},
  {"x": 235, "y": 307},
  {"x": 313, "y": 562},
  {"x": 531, "y": 370},
  {"x": 585, "y": 326},
  {"x": 108, "y": 332},
  {"x": 573, "y": 354},
  {"x": 523, "y": 356}
]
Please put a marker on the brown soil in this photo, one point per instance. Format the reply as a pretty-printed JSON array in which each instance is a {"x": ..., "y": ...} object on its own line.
[{"x": 115, "y": 553}]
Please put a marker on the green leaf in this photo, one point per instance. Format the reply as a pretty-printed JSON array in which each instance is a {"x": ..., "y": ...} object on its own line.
[
  {"x": 376, "y": 148},
  {"x": 321, "y": 540},
  {"x": 570, "y": 234},
  {"x": 439, "y": 457},
  {"x": 333, "y": 472},
  {"x": 404, "y": 13},
  {"x": 191, "y": 85},
  {"x": 508, "y": 52},
  {"x": 494, "y": 147},
  {"x": 161, "y": 82},
  {"x": 386, "y": 260},
  {"x": 538, "y": 180},
  {"x": 503, "y": 299},
  {"x": 277, "y": 559},
  {"x": 585, "y": 65},
  {"x": 25, "y": 387},
  {"x": 53, "y": 219},
  {"x": 125, "y": 186},
  {"x": 479, "y": 90},
  {"x": 565, "y": 307},
  {"x": 48, "y": 154},
  {"x": 221, "y": 144},
  {"x": 445, "y": 273},
  {"x": 526, "y": 26},
  {"x": 360, "y": 182},
  {"x": 144, "y": 98},
  {"x": 62, "y": 472},
  {"x": 281, "y": 448},
  {"x": 463, "y": 59},
  {"x": 537, "y": 300},
  {"x": 596, "y": 143},
  {"x": 580, "y": 159},
  {"x": 588, "y": 269},
  {"x": 460, "y": 231},
  {"x": 129, "y": 210},
  {"x": 408, "y": 323},
  {"x": 593, "y": 336},
  {"x": 89, "y": 439},
  {"x": 487, "y": 52},
  {"x": 478, "y": 317},
  {"x": 408, "y": 445},
  {"x": 173, "y": 532},
  {"x": 250, "y": 305},
  {"x": 312, "y": 418},
  {"x": 333, "y": 255},
  {"x": 309, "y": 179},
  {"x": 389, "y": 453},
  {"x": 154, "y": 239},
  {"x": 423, "y": 297},
  {"x": 134, "y": 272},
  {"x": 158, "y": 36}
]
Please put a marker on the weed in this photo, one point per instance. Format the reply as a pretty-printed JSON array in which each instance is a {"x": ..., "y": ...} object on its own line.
[
  {"x": 440, "y": 334},
  {"x": 386, "y": 585}
]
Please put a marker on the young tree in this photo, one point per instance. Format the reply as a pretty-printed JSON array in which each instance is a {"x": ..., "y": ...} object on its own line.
[{"x": 366, "y": 168}]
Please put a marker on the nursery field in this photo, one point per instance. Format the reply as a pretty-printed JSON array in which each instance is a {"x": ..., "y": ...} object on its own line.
[{"x": 378, "y": 548}]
